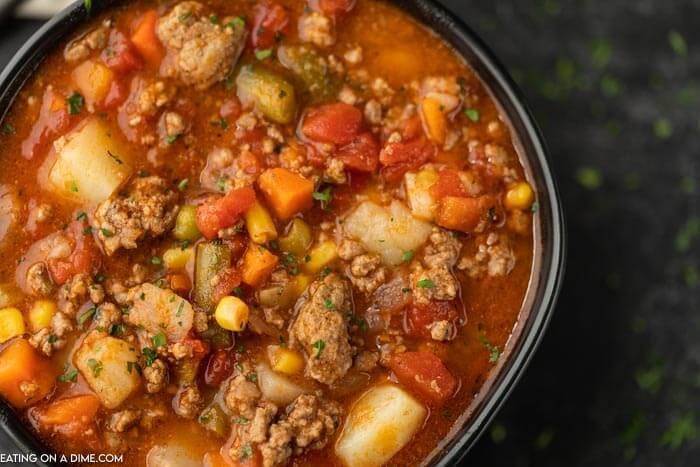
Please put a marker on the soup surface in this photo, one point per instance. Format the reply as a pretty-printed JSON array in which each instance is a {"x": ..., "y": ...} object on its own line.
[{"x": 256, "y": 233}]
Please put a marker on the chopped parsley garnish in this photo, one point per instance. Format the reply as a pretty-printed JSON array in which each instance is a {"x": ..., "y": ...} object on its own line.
[
  {"x": 472, "y": 114},
  {"x": 73, "y": 187},
  {"x": 99, "y": 278},
  {"x": 159, "y": 340},
  {"x": 237, "y": 21},
  {"x": 246, "y": 452},
  {"x": 324, "y": 197},
  {"x": 182, "y": 184},
  {"x": 180, "y": 307},
  {"x": 359, "y": 322},
  {"x": 425, "y": 284},
  {"x": 8, "y": 129},
  {"x": 52, "y": 338},
  {"x": 328, "y": 303},
  {"x": 325, "y": 271},
  {"x": 116, "y": 330},
  {"x": 115, "y": 157},
  {"x": 81, "y": 216},
  {"x": 70, "y": 374},
  {"x": 406, "y": 289},
  {"x": 241, "y": 421},
  {"x": 156, "y": 260},
  {"x": 263, "y": 54},
  {"x": 170, "y": 139},
  {"x": 221, "y": 123},
  {"x": 89, "y": 314},
  {"x": 130, "y": 366},
  {"x": 238, "y": 292},
  {"x": 307, "y": 258},
  {"x": 253, "y": 377},
  {"x": 408, "y": 256},
  {"x": 240, "y": 348},
  {"x": 214, "y": 19},
  {"x": 95, "y": 366},
  {"x": 107, "y": 233},
  {"x": 494, "y": 353},
  {"x": 75, "y": 103},
  {"x": 663, "y": 128},
  {"x": 319, "y": 345},
  {"x": 150, "y": 355}
]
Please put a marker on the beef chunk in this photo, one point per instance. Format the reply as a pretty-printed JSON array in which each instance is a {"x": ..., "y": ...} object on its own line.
[
  {"x": 149, "y": 208},
  {"x": 320, "y": 329}
]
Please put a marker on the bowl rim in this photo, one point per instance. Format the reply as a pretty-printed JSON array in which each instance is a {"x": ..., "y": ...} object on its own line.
[{"x": 533, "y": 154}]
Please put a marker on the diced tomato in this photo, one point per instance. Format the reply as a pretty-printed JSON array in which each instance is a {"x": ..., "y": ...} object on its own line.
[
  {"x": 228, "y": 279},
  {"x": 361, "y": 154},
  {"x": 231, "y": 108},
  {"x": 448, "y": 184},
  {"x": 399, "y": 158},
  {"x": 270, "y": 23},
  {"x": 82, "y": 260},
  {"x": 336, "y": 8},
  {"x": 219, "y": 213},
  {"x": 254, "y": 138},
  {"x": 337, "y": 123},
  {"x": 412, "y": 129},
  {"x": 219, "y": 367},
  {"x": 419, "y": 317},
  {"x": 121, "y": 55},
  {"x": 199, "y": 347},
  {"x": 424, "y": 374},
  {"x": 53, "y": 120},
  {"x": 118, "y": 92}
]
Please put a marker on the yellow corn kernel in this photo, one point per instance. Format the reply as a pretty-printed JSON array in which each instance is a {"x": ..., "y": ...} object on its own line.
[
  {"x": 320, "y": 256},
  {"x": 41, "y": 313},
  {"x": 260, "y": 225},
  {"x": 11, "y": 323},
  {"x": 301, "y": 283},
  {"x": 232, "y": 313},
  {"x": 285, "y": 361},
  {"x": 520, "y": 196},
  {"x": 177, "y": 257}
]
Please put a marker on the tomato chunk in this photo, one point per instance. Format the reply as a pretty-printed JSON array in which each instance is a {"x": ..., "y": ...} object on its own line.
[
  {"x": 53, "y": 120},
  {"x": 336, "y": 7},
  {"x": 121, "y": 55},
  {"x": 419, "y": 317},
  {"x": 229, "y": 279},
  {"x": 399, "y": 158},
  {"x": 337, "y": 123},
  {"x": 83, "y": 259},
  {"x": 219, "y": 367},
  {"x": 223, "y": 212},
  {"x": 426, "y": 375},
  {"x": 117, "y": 94},
  {"x": 361, "y": 154},
  {"x": 448, "y": 184},
  {"x": 270, "y": 22}
]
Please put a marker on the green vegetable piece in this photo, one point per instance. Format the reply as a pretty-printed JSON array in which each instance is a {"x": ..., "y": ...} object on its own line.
[
  {"x": 214, "y": 419},
  {"x": 186, "y": 224},
  {"x": 298, "y": 238},
  {"x": 210, "y": 260},
  {"x": 312, "y": 70},
  {"x": 269, "y": 92},
  {"x": 218, "y": 337}
]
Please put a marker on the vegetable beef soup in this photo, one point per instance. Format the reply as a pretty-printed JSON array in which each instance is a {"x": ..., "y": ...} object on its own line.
[{"x": 256, "y": 233}]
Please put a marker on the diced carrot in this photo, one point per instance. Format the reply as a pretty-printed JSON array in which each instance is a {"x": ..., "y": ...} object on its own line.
[
  {"x": 424, "y": 374},
  {"x": 434, "y": 119},
  {"x": 22, "y": 367},
  {"x": 464, "y": 214},
  {"x": 219, "y": 213},
  {"x": 336, "y": 123},
  {"x": 258, "y": 264},
  {"x": 286, "y": 192},
  {"x": 71, "y": 409},
  {"x": 145, "y": 39}
]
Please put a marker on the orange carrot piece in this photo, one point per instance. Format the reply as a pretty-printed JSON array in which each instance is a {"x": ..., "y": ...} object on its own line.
[
  {"x": 286, "y": 192},
  {"x": 145, "y": 39},
  {"x": 25, "y": 376},
  {"x": 258, "y": 264},
  {"x": 69, "y": 410}
]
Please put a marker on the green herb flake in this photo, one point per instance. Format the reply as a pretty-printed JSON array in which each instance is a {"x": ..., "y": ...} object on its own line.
[
  {"x": 246, "y": 452},
  {"x": 241, "y": 421},
  {"x": 425, "y": 284},
  {"x": 131, "y": 366},
  {"x": 263, "y": 54},
  {"x": 159, "y": 340},
  {"x": 75, "y": 103},
  {"x": 89, "y": 314},
  {"x": 683, "y": 429},
  {"x": 95, "y": 366},
  {"x": 589, "y": 178},
  {"x": 81, "y": 216},
  {"x": 472, "y": 114},
  {"x": 150, "y": 356},
  {"x": 116, "y": 330},
  {"x": 498, "y": 433},
  {"x": 73, "y": 187},
  {"x": 663, "y": 129},
  {"x": 156, "y": 260},
  {"x": 677, "y": 43},
  {"x": 107, "y": 233},
  {"x": 8, "y": 129},
  {"x": 214, "y": 19},
  {"x": 494, "y": 352},
  {"x": 649, "y": 379},
  {"x": 70, "y": 374},
  {"x": 324, "y": 197},
  {"x": 88, "y": 5},
  {"x": 408, "y": 256},
  {"x": 319, "y": 345},
  {"x": 544, "y": 439},
  {"x": 328, "y": 303},
  {"x": 170, "y": 139}
]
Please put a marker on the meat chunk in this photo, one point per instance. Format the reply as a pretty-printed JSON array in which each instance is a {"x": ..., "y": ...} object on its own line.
[
  {"x": 317, "y": 29},
  {"x": 188, "y": 402},
  {"x": 121, "y": 421},
  {"x": 107, "y": 315},
  {"x": 47, "y": 340},
  {"x": 309, "y": 424},
  {"x": 74, "y": 293},
  {"x": 200, "y": 51},
  {"x": 366, "y": 271},
  {"x": 156, "y": 376},
  {"x": 81, "y": 48},
  {"x": 39, "y": 281},
  {"x": 436, "y": 281},
  {"x": 494, "y": 257},
  {"x": 242, "y": 396},
  {"x": 149, "y": 208},
  {"x": 320, "y": 329}
]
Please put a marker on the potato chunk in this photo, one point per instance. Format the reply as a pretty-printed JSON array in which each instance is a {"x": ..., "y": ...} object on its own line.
[
  {"x": 277, "y": 388},
  {"x": 160, "y": 310},
  {"x": 380, "y": 423},
  {"x": 108, "y": 365},
  {"x": 91, "y": 164},
  {"x": 387, "y": 231}
]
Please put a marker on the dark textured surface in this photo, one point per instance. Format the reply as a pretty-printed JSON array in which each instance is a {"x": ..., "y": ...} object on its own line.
[{"x": 617, "y": 379}]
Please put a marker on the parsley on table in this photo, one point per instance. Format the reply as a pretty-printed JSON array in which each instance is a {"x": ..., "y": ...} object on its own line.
[
  {"x": 677, "y": 43},
  {"x": 589, "y": 178}
]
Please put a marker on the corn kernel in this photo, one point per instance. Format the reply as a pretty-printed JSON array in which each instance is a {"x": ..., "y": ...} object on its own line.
[
  {"x": 11, "y": 323},
  {"x": 301, "y": 283},
  {"x": 285, "y": 360},
  {"x": 260, "y": 225},
  {"x": 320, "y": 256},
  {"x": 177, "y": 258},
  {"x": 186, "y": 224},
  {"x": 520, "y": 196},
  {"x": 232, "y": 313},
  {"x": 40, "y": 314}
]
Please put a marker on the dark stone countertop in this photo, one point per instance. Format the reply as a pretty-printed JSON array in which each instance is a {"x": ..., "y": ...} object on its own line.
[{"x": 615, "y": 87}]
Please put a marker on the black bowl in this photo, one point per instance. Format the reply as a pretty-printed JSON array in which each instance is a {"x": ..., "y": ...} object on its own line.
[{"x": 550, "y": 239}]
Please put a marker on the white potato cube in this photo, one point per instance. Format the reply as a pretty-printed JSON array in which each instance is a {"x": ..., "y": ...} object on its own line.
[
  {"x": 160, "y": 310},
  {"x": 380, "y": 423},
  {"x": 109, "y": 365},
  {"x": 389, "y": 232},
  {"x": 420, "y": 199},
  {"x": 172, "y": 455},
  {"x": 277, "y": 388},
  {"x": 91, "y": 163}
]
